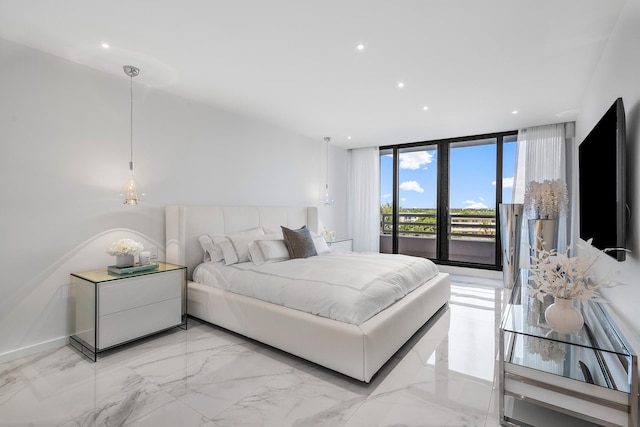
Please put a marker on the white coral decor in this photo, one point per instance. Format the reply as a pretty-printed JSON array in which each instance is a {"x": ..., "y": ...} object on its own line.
[
  {"x": 562, "y": 276},
  {"x": 546, "y": 200},
  {"x": 125, "y": 247}
]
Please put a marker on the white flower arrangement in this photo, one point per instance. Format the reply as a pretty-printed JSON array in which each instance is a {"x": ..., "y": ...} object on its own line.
[
  {"x": 562, "y": 276},
  {"x": 125, "y": 247},
  {"x": 546, "y": 200}
]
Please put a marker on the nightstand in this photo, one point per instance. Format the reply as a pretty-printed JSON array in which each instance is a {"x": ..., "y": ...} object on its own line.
[
  {"x": 341, "y": 243},
  {"x": 113, "y": 309}
]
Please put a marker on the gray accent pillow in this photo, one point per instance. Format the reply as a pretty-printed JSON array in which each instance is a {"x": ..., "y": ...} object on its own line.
[{"x": 299, "y": 242}]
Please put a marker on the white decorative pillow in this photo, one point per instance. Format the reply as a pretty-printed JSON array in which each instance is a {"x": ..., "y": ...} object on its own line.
[
  {"x": 321, "y": 244},
  {"x": 235, "y": 247},
  {"x": 265, "y": 251},
  {"x": 269, "y": 231},
  {"x": 211, "y": 251}
]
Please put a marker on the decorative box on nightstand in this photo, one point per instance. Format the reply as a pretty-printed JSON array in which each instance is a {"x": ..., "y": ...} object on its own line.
[
  {"x": 112, "y": 309},
  {"x": 340, "y": 243}
]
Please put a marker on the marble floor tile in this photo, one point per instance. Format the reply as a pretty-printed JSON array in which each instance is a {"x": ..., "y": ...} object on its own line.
[
  {"x": 205, "y": 376},
  {"x": 294, "y": 398}
]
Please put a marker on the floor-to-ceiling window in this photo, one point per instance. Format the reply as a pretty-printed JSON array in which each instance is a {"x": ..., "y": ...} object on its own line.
[{"x": 439, "y": 199}]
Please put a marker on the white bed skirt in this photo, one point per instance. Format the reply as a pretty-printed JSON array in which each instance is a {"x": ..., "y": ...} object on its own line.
[{"x": 356, "y": 351}]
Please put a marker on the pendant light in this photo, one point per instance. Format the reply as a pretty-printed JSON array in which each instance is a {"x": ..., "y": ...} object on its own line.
[
  {"x": 131, "y": 191},
  {"x": 327, "y": 198}
]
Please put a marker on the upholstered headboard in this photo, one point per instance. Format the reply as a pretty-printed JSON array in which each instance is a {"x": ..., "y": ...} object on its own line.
[{"x": 184, "y": 224}]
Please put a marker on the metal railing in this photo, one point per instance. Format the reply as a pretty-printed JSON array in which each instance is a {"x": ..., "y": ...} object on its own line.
[{"x": 461, "y": 226}]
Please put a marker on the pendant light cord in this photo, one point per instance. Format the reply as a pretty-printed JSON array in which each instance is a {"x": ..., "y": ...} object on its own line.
[
  {"x": 131, "y": 124},
  {"x": 132, "y": 72},
  {"x": 326, "y": 182}
]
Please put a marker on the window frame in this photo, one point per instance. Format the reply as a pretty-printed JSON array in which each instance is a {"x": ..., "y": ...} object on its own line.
[{"x": 443, "y": 193}]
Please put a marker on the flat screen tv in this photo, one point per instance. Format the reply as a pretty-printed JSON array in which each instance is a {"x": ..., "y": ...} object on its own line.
[{"x": 602, "y": 189}]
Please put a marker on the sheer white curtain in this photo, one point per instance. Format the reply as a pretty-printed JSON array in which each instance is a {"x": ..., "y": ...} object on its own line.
[
  {"x": 364, "y": 199},
  {"x": 540, "y": 155}
]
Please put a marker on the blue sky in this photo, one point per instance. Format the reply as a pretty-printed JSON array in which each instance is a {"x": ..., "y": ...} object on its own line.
[{"x": 472, "y": 177}]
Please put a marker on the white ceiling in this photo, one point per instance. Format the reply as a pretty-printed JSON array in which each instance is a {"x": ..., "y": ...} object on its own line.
[{"x": 295, "y": 62}]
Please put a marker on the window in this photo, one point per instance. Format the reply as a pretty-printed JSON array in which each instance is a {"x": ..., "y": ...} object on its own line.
[{"x": 439, "y": 199}]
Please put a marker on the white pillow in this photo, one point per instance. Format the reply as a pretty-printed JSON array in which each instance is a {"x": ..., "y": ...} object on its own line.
[
  {"x": 269, "y": 231},
  {"x": 235, "y": 247},
  {"x": 268, "y": 250},
  {"x": 321, "y": 245},
  {"x": 211, "y": 251}
]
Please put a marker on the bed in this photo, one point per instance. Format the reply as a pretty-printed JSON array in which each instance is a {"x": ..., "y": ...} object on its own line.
[{"x": 357, "y": 349}]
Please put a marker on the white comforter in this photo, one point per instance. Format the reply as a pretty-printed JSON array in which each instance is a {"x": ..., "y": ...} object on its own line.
[{"x": 345, "y": 286}]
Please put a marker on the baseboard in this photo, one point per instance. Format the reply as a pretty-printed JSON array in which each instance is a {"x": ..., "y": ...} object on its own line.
[{"x": 34, "y": 349}]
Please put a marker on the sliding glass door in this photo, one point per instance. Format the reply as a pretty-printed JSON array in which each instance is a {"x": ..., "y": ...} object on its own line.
[
  {"x": 439, "y": 199},
  {"x": 472, "y": 201},
  {"x": 409, "y": 202}
]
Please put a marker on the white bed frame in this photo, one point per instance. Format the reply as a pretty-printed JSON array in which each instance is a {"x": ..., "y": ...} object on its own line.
[{"x": 356, "y": 351}]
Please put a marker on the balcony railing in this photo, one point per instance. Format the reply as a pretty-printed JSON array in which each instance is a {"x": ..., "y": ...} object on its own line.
[{"x": 461, "y": 226}]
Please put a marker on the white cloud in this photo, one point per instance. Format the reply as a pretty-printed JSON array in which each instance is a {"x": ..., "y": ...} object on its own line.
[
  {"x": 506, "y": 183},
  {"x": 411, "y": 186},
  {"x": 415, "y": 159},
  {"x": 386, "y": 196},
  {"x": 472, "y": 204}
]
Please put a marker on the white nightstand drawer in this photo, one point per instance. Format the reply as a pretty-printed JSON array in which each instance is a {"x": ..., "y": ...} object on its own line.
[
  {"x": 127, "y": 325},
  {"x": 123, "y": 295}
]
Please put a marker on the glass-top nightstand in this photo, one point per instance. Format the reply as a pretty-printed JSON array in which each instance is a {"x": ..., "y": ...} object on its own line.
[
  {"x": 591, "y": 374},
  {"x": 112, "y": 309}
]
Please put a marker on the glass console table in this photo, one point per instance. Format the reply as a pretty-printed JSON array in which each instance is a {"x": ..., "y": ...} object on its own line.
[{"x": 591, "y": 375}]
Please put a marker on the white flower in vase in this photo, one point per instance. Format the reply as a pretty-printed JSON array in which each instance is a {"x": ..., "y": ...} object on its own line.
[
  {"x": 566, "y": 277},
  {"x": 125, "y": 251},
  {"x": 546, "y": 200},
  {"x": 125, "y": 247}
]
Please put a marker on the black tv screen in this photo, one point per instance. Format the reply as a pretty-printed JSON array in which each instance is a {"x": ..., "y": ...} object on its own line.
[{"x": 602, "y": 193}]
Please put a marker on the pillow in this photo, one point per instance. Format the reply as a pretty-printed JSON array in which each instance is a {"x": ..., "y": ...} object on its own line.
[
  {"x": 264, "y": 251},
  {"x": 211, "y": 251},
  {"x": 235, "y": 247},
  {"x": 269, "y": 231},
  {"x": 299, "y": 242},
  {"x": 320, "y": 244}
]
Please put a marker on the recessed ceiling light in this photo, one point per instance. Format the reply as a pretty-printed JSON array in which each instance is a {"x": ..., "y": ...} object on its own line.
[
  {"x": 400, "y": 84},
  {"x": 514, "y": 112},
  {"x": 348, "y": 137},
  {"x": 105, "y": 45},
  {"x": 425, "y": 108},
  {"x": 360, "y": 47}
]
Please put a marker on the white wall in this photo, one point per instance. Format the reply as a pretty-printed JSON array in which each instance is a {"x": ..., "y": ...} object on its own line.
[
  {"x": 618, "y": 75},
  {"x": 64, "y": 130}
]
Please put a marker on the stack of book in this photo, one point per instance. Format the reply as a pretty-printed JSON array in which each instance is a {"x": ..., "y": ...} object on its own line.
[{"x": 136, "y": 268}]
